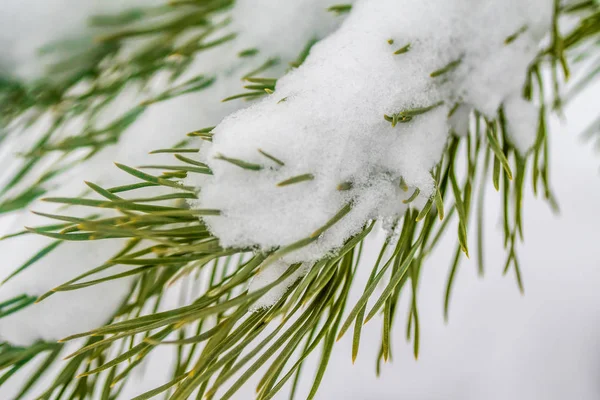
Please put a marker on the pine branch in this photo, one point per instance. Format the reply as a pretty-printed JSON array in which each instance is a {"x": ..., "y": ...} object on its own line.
[{"x": 218, "y": 338}]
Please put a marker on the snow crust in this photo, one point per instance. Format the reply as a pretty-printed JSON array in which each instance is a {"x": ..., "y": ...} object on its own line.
[
  {"x": 326, "y": 118},
  {"x": 270, "y": 26}
]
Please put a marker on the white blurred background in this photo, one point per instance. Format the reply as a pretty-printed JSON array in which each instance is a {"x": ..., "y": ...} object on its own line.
[{"x": 497, "y": 344}]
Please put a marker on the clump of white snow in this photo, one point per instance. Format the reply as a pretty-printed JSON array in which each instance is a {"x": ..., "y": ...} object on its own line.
[
  {"x": 410, "y": 61},
  {"x": 269, "y": 275},
  {"x": 522, "y": 122}
]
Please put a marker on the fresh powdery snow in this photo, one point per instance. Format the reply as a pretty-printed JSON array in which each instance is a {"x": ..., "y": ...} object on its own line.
[
  {"x": 325, "y": 122},
  {"x": 276, "y": 29}
]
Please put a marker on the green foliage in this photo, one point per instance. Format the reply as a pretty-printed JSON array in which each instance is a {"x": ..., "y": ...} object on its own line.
[{"x": 340, "y": 9}]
